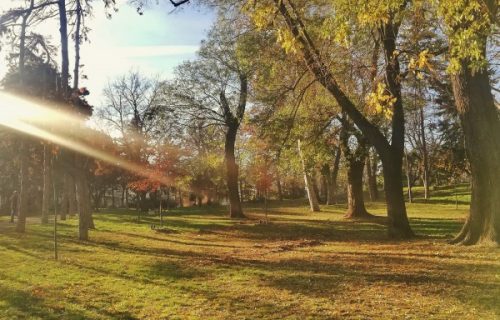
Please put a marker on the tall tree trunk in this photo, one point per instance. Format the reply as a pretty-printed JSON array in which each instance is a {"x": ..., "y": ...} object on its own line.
[
  {"x": 311, "y": 193},
  {"x": 332, "y": 179},
  {"x": 24, "y": 149},
  {"x": 409, "y": 179},
  {"x": 235, "y": 210},
  {"x": 355, "y": 198},
  {"x": 23, "y": 188},
  {"x": 71, "y": 194},
  {"x": 76, "y": 70},
  {"x": 278, "y": 184},
  {"x": 83, "y": 194},
  {"x": 371, "y": 173},
  {"x": 63, "y": 30},
  {"x": 425, "y": 155},
  {"x": 481, "y": 124},
  {"x": 47, "y": 185}
]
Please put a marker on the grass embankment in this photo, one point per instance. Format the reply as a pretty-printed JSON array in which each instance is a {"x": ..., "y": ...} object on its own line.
[{"x": 300, "y": 266}]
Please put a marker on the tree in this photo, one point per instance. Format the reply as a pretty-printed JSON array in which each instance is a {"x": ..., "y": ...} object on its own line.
[
  {"x": 355, "y": 153},
  {"x": 469, "y": 24},
  {"x": 214, "y": 88},
  {"x": 385, "y": 22}
]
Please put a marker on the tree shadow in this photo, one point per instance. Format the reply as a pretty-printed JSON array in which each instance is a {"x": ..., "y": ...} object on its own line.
[{"x": 23, "y": 305}]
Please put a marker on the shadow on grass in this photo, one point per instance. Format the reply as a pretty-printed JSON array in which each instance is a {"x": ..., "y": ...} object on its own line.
[{"x": 23, "y": 305}]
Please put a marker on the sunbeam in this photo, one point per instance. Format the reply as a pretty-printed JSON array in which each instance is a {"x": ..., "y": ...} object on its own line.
[{"x": 35, "y": 120}]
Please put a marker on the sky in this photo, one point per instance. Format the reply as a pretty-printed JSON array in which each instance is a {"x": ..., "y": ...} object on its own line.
[{"x": 153, "y": 43}]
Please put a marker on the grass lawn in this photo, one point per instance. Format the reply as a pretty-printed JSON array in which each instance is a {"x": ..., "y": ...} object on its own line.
[{"x": 204, "y": 266}]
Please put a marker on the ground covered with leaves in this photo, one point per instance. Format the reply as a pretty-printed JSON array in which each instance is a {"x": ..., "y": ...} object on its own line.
[{"x": 200, "y": 264}]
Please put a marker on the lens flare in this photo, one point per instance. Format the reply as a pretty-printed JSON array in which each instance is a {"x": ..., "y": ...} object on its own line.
[{"x": 34, "y": 119}]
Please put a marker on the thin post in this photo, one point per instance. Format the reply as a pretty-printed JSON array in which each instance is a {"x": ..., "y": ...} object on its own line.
[
  {"x": 56, "y": 249},
  {"x": 265, "y": 204},
  {"x": 161, "y": 211}
]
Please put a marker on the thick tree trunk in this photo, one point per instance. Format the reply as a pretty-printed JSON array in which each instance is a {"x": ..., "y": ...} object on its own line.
[
  {"x": 84, "y": 208},
  {"x": 355, "y": 198},
  {"x": 47, "y": 185},
  {"x": 311, "y": 193},
  {"x": 72, "y": 207},
  {"x": 481, "y": 125},
  {"x": 398, "y": 224},
  {"x": 235, "y": 210}
]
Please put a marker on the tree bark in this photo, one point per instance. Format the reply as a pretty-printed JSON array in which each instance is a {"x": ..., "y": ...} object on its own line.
[
  {"x": 371, "y": 173},
  {"x": 355, "y": 157},
  {"x": 63, "y": 30},
  {"x": 355, "y": 199},
  {"x": 311, "y": 192},
  {"x": 83, "y": 195},
  {"x": 47, "y": 185},
  {"x": 481, "y": 124},
  {"x": 235, "y": 210},
  {"x": 72, "y": 207},
  {"x": 76, "y": 70}
]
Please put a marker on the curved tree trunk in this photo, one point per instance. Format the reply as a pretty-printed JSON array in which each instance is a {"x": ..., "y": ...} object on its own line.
[
  {"x": 235, "y": 210},
  {"x": 481, "y": 125}
]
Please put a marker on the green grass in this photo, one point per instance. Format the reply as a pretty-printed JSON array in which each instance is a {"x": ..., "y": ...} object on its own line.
[{"x": 205, "y": 266}]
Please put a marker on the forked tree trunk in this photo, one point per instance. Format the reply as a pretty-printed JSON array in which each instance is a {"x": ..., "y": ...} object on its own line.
[
  {"x": 47, "y": 185},
  {"x": 481, "y": 125},
  {"x": 235, "y": 210},
  {"x": 311, "y": 192},
  {"x": 355, "y": 157}
]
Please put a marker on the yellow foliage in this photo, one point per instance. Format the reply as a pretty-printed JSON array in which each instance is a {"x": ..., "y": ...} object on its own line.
[{"x": 381, "y": 101}]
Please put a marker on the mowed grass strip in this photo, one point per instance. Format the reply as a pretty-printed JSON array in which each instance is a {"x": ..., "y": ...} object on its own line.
[{"x": 300, "y": 265}]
